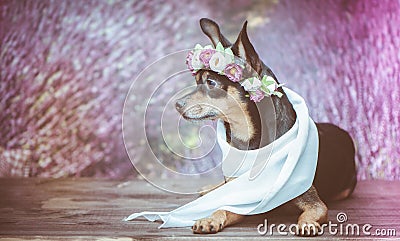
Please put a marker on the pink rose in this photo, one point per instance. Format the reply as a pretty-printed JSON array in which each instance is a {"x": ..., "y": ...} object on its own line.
[
  {"x": 189, "y": 58},
  {"x": 257, "y": 95},
  {"x": 233, "y": 72},
  {"x": 206, "y": 55}
]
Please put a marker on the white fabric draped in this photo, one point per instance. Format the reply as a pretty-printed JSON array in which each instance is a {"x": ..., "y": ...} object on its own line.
[{"x": 284, "y": 170}]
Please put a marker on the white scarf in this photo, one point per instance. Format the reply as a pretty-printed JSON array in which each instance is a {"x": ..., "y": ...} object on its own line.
[{"x": 288, "y": 173}]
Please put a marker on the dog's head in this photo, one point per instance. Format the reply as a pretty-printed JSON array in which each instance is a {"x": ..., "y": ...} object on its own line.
[{"x": 217, "y": 97}]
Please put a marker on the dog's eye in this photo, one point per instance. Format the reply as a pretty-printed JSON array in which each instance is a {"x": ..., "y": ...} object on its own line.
[{"x": 211, "y": 83}]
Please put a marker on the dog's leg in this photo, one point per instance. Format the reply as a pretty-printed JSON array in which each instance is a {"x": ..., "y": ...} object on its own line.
[
  {"x": 314, "y": 213},
  {"x": 210, "y": 188},
  {"x": 216, "y": 222}
]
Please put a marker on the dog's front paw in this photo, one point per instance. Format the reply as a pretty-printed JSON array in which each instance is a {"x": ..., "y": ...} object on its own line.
[
  {"x": 308, "y": 228},
  {"x": 207, "y": 225}
]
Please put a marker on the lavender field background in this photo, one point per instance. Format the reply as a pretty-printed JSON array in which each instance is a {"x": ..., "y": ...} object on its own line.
[{"x": 66, "y": 67}]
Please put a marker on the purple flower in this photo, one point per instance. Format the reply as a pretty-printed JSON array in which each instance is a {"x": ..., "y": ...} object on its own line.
[
  {"x": 189, "y": 58},
  {"x": 206, "y": 55},
  {"x": 257, "y": 96},
  {"x": 233, "y": 72}
]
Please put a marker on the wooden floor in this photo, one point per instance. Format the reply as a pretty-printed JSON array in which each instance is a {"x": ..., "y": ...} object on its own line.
[{"x": 88, "y": 209}]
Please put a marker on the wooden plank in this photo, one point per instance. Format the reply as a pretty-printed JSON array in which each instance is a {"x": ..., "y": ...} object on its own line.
[{"x": 83, "y": 208}]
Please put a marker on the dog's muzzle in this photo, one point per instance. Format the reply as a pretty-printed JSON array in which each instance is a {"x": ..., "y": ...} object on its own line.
[{"x": 180, "y": 103}]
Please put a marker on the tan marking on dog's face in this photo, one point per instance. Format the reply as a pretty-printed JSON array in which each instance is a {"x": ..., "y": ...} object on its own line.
[
  {"x": 230, "y": 108},
  {"x": 239, "y": 116},
  {"x": 204, "y": 76},
  {"x": 197, "y": 76},
  {"x": 200, "y": 107}
]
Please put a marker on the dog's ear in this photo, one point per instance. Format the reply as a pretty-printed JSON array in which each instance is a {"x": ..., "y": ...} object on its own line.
[
  {"x": 245, "y": 50},
  {"x": 211, "y": 29}
]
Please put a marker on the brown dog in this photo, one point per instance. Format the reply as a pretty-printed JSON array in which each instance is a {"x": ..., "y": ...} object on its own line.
[{"x": 216, "y": 97}]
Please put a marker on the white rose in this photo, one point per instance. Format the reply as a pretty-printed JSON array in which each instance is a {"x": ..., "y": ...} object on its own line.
[
  {"x": 196, "y": 62},
  {"x": 217, "y": 62},
  {"x": 272, "y": 87},
  {"x": 251, "y": 84},
  {"x": 229, "y": 56},
  {"x": 270, "y": 84}
]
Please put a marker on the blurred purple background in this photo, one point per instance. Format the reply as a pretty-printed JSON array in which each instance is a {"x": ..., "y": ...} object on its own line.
[{"x": 66, "y": 67}]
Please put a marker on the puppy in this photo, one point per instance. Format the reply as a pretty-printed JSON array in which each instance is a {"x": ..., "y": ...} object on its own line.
[{"x": 217, "y": 97}]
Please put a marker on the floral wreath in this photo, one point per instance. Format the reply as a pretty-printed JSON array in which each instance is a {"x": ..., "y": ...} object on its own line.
[{"x": 222, "y": 61}]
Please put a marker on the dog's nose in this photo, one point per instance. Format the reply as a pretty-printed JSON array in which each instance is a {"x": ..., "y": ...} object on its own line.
[{"x": 179, "y": 104}]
